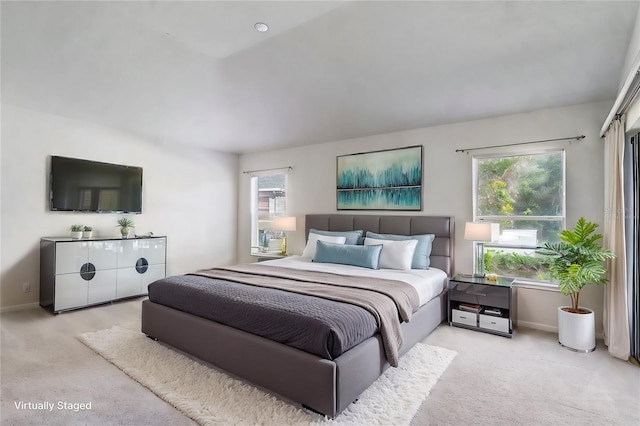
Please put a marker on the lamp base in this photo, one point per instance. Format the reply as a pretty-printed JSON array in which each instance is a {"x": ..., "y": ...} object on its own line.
[
  {"x": 480, "y": 260},
  {"x": 283, "y": 247}
]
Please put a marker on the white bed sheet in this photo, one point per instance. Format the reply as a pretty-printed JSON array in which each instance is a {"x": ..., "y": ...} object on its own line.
[{"x": 428, "y": 282}]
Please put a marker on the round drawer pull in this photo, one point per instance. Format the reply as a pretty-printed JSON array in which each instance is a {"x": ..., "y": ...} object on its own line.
[
  {"x": 88, "y": 271},
  {"x": 142, "y": 265}
]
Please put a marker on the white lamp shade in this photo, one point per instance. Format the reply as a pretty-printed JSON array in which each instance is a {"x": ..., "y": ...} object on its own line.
[
  {"x": 284, "y": 223},
  {"x": 477, "y": 231}
]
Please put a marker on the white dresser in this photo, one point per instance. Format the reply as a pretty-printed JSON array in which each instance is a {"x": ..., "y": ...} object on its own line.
[{"x": 79, "y": 273}]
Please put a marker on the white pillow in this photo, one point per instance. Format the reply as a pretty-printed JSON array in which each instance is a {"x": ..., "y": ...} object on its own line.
[
  {"x": 310, "y": 249},
  {"x": 395, "y": 254}
]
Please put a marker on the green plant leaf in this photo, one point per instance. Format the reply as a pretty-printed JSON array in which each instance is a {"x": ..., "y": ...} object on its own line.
[
  {"x": 125, "y": 222},
  {"x": 577, "y": 260}
]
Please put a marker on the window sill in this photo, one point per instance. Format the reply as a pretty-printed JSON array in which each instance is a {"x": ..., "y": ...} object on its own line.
[
  {"x": 270, "y": 254},
  {"x": 510, "y": 246},
  {"x": 536, "y": 285}
]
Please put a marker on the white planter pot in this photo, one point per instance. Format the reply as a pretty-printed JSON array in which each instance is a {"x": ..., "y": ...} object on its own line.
[
  {"x": 577, "y": 331},
  {"x": 87, "y": 234},
  {"x": 76, "y": 235}
]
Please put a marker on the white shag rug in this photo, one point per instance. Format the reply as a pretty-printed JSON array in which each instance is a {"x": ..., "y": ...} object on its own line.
[{"x": 211, "y": 397}]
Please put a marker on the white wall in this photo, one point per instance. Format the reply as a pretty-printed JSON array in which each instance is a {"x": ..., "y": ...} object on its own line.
[
  {"x": 633, "y": 50},
  {"x": 189, "y": 195},
  {"x": 447, "y": 181}
]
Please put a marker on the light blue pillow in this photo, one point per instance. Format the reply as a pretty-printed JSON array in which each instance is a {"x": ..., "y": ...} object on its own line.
[
  {"x": 348, "y": 254},
  {"x": 352, "y": 237},
  {"x": 423, "y": 249}
]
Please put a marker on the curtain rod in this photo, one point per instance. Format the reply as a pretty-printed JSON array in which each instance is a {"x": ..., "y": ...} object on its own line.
[
  {"x": 522, "y": 143},
  {"x": 623, "y": 95},
  {"x": 629, "y": 97},
  {"x": 288, "y": 168}
]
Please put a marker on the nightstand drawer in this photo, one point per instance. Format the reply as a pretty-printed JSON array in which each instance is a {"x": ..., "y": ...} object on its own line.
[
  {"x": 464, "y": 317},
  {"x": 494, "y": 323},
  {"x": 479, "y": 294}
]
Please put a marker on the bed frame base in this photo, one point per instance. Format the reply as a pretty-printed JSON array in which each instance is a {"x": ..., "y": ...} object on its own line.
[
  {"x": 324, "y": 386},
  {"x": 306, "y": 407}
]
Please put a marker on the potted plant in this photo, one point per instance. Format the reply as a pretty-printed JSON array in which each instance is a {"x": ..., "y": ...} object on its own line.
[
  {"x": 577, "y": 260},
  {"x": 76, "y": 231},
  {"x": 87, "y": 231},
  {"x": 124, "y": 224}
]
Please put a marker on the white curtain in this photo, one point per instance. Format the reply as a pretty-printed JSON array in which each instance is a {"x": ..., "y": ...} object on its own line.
[{"x": 616, "y": 320}]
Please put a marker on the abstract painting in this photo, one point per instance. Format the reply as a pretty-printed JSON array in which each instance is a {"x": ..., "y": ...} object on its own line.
[{"x": 380, "y": 180}]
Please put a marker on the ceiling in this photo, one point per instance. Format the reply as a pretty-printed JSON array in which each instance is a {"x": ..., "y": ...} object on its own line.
[{"x": 198, "y": 73}]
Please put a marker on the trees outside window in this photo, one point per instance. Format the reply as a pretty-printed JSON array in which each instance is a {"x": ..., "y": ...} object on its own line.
[{"x": 525, "y": 194}]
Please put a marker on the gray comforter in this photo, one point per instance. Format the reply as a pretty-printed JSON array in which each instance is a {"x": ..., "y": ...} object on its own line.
[{"x": 324, "y": 314}]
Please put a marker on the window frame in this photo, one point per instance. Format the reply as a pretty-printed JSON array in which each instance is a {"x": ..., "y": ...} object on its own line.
[
  {"x": 254, "y": 205},
  {"x": 492, "y": 218}
]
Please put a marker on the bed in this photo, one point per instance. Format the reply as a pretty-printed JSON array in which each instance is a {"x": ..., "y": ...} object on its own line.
[{"x": 326, "y": 386}]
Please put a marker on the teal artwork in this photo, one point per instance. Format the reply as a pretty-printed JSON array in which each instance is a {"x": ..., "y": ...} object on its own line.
[{"x": 380, "y": 180}]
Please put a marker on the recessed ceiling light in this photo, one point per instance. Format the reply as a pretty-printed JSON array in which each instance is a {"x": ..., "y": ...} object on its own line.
[{"x": 261, "y": 26}]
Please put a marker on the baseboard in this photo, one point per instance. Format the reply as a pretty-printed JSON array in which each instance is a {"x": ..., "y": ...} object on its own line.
[
  {"x": 537, "y": 326},
  {"x": 14, "y": 308},
  {"x": 548, "y": 328}
]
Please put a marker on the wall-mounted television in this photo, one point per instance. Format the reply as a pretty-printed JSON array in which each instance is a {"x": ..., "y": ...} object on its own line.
[{"x": 91, "y": 186}]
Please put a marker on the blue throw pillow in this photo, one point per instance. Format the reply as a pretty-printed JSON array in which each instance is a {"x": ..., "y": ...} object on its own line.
[
  {"x": 423, "y": 249},
  {"x": 352, "y": 237},
  {"x": 348, "y": 254}
]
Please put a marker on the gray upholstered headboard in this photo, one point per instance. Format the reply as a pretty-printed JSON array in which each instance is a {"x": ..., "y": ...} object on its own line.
[{"x": 442, "y": 226}]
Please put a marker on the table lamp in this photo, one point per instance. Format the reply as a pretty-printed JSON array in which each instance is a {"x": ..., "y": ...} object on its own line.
[
  {"x": 479, "y": 233},
  {"x": 284, "y": 224}
]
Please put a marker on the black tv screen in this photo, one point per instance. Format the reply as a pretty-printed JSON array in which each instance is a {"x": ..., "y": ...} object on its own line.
[{"x": 91, "y": 186}]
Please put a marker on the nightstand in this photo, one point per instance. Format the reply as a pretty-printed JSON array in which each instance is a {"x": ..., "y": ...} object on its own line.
[{"x": 482, "y": 305}]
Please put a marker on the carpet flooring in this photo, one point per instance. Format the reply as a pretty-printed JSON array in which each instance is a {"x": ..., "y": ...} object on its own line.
[
  {"x": 211, "y": 397},
  {"x": 527, "y": 380}
]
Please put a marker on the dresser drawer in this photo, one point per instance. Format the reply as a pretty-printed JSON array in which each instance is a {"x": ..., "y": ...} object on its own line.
[
  {"x": 464, "y": 317},
  {"x": 494, "y": 323},
  {"x": 478, "y": 294}
]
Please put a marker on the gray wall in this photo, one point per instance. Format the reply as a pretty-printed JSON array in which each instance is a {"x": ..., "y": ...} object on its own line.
[{"x": 447, "y": 181}]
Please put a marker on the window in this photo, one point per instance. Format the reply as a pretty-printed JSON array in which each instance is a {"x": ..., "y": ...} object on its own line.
[
  {"x": 268, "y": 200},
  {"x": 525, "y": 194},
  {"x": 108, "y": 199},
  {"x": 85, "y": 198}
]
